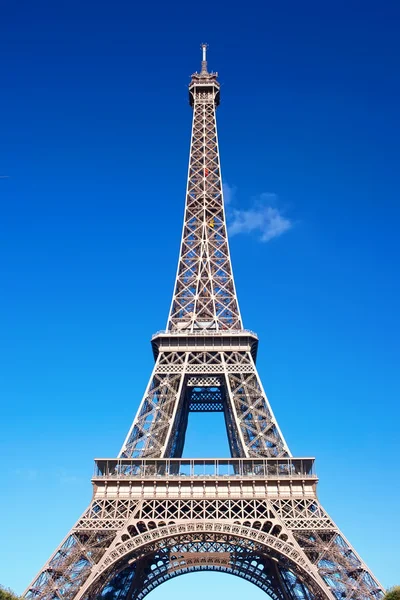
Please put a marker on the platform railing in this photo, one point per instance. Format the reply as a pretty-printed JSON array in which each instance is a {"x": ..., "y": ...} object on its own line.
[
  {"x": 205, "y": 332},
  {"x": 138, "y": 468}
]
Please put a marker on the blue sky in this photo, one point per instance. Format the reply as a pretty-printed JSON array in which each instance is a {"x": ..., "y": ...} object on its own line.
[{"x": 94, "y": 144}]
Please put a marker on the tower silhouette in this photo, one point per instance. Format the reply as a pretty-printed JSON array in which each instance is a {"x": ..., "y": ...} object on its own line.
[{"x": 155, "y": 515}]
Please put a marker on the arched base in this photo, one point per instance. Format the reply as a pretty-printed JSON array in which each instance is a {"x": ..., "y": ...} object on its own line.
[
  {"x": 136, "y": 574},
  {"x": 138, "y": 579}
]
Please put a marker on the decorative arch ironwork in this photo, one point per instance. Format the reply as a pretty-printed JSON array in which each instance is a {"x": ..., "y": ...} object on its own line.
[{"x": 139, "y": 564}]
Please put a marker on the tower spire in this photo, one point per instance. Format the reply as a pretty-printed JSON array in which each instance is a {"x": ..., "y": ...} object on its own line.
[
  {"x": 204, "y": 296},
  {"x": 204, "y": 70}
]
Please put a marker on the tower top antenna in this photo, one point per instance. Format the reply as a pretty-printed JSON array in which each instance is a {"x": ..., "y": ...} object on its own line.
[{"x": 204, "y": 58}]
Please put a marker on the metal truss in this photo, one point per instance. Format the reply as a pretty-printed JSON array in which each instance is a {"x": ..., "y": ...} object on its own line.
[
  {"x": 142, "y": 529},
  {"x": 204, "y": 555},
  {"x": 154, "y": 515},
  {"x": 77, "y": 577},
  {"x": 160, "y": 424},
  {"x": 204, "y": 296}
]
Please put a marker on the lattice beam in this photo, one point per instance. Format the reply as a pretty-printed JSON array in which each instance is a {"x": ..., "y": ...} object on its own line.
[
  {"x": 204, "y": 296},
  {"x": 160, "y": 424}
]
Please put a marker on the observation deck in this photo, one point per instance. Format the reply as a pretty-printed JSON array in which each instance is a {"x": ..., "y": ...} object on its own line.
[
  {"x": 204, "y": 83},
  {"x": 205, "y": 477},
  {"x": 205, "y": 467},
  {"x": 205, "y": 340}
]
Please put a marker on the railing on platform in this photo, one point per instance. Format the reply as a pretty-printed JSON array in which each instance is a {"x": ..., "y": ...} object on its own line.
[
  {"x": 274, "y": 468},
  {"x": 205, "y": 332}
]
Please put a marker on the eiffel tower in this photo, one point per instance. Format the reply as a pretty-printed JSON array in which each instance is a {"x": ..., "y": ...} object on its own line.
[{"x": 155, "y": 515}]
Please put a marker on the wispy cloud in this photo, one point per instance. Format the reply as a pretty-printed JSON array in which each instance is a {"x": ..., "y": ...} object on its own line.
[
  {"x": 263, "y": 217},
  {"x": 27, "y": 474},
  {"x": 65, "y": 478},
  {"x": 4, "y": 177},
  {"x": 229, "y": 193},
  {"x": 61, "y": 476}
]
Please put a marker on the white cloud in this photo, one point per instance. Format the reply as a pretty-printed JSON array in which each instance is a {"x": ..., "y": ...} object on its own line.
[
  {"x": 229, "y": 193},
  {"x": 263, "y": 217}
]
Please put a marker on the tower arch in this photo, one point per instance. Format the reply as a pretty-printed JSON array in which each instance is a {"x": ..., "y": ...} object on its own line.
[{"x": 140, "y": 565}]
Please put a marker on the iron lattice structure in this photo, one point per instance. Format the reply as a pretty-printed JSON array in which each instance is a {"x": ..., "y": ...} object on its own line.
[{"x": 154, "y": 515}]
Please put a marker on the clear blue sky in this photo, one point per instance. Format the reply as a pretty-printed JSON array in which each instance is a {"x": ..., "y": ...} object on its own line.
[{"x": 94, "y": 144}]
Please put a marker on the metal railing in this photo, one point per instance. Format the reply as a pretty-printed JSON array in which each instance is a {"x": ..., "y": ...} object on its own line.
[
  {"x": 206, "y": 332},
  {"x": 274, "y": 468}
]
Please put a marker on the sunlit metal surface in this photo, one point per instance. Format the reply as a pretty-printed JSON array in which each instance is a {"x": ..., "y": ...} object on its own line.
[{"x": 154, "y": 515}]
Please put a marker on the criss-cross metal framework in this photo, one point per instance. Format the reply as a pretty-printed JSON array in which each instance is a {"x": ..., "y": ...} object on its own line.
[
  {"x": 204, "y": 296},
  {"x": 154, "y": 515}
]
